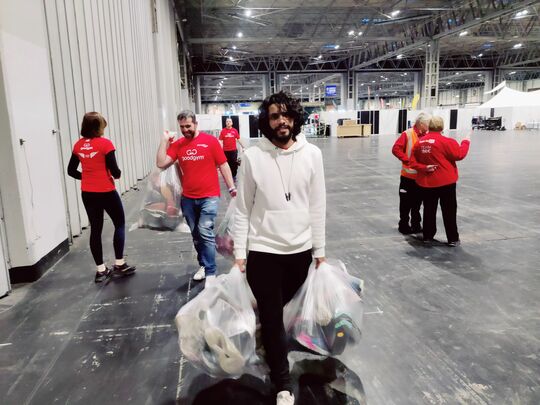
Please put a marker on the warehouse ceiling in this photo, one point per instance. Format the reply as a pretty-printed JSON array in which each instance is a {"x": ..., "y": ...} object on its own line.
[{"x": 228, "y": 37}]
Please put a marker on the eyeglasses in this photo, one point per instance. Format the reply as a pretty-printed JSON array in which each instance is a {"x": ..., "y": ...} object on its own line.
[{"x": 286, "y": 114}]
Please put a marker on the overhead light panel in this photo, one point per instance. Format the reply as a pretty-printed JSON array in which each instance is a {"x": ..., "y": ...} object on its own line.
[
  {"x": 512, "y": 73},
  {"x": 400, "y": 56},
  {"x": 517, "y": 46},
  {"x": 521, "y": 14},
  {"x": 234, "y": 47},
  {"x": 463, "y": 33},
  {"x": 247, "y": 13},
  {"x": 395, "y": 13},
  {"x": 480, "y": 55},
  {"x": 336, "y": 47},
  {"x": 351, "y": 32},
  {"x": 231, "y": 58},
  {"x": 240, "y": 35}
]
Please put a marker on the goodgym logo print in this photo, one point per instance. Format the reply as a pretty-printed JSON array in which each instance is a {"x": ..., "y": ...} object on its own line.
[{"x": 192, "y": 155}]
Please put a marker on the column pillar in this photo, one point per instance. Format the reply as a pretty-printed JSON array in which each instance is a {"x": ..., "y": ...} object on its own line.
[{"x": 430, "y": 94}]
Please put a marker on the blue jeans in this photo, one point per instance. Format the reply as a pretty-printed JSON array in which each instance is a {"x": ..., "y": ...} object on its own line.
[{"x": 200, "y": 215}]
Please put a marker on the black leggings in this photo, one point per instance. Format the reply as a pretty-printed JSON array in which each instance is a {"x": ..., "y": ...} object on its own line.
[
  {"x": 96, "y": 204},
  {"x": 274, "y": 279}
]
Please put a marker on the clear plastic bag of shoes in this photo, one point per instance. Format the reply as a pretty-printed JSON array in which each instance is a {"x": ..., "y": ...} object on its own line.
[
  {"x": 224, "y": 238},
  {"x": 160, "y": 209},
  {"x": 216, "y": 330},
  {"x": 326, "y": 313}
]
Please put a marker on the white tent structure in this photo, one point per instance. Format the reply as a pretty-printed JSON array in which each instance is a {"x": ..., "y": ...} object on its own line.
[{"x": 515, "y": 107}]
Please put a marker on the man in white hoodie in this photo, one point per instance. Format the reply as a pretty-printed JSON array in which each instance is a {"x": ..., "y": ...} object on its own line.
[{"x": 279, "y": 223}]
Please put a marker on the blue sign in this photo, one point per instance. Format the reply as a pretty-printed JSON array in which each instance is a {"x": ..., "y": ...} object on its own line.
[
  {"x": 330, "y": 91},
  {"x": 245, "y": 104}
]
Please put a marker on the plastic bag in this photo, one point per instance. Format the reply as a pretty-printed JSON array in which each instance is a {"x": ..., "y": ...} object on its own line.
[
  {"x": 216, "y": 330},
  {"x": 326, "y": 313},
  {"x": 224, "y": 238},
  {"x": 160, "y": 209}
]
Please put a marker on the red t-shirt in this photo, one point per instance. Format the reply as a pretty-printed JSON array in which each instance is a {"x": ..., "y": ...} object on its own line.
[
  {"x": 229, "y": 137},
  {"x": 95, "y": 176},
  {"x": 436, "y": 149},
  {"x": 198, "y": 158}
]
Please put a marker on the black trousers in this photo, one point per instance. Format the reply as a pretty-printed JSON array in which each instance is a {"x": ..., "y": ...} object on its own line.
[
  {"x": 410, "y": 200},
  {"x": 96, "y": 204},
  {"x": 274, "y": 279},
  {"x": 447, "y": 196},
  {"x": 232, "y": 160}
]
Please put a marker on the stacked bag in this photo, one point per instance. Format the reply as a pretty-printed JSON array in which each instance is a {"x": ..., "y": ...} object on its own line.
[
  {"x": 160, "y": 209},
  {"x": 326, "y": 313},
  {"x": 217, "y": 328}
]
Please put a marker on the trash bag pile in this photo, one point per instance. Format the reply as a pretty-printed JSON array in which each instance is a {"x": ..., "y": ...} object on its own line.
[
  {"x": 224, "y": 238},
  {"x": 161, "y": 206},
  {"x": 326, "y": 313},
  {"x": 217, "y": 328}
]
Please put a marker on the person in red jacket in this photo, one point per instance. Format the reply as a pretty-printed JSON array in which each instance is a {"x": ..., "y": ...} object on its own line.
[
  {"x": 434, "y": 157},
  {"x": 410, "y": 199},
  {"x": 228, "y": 137},
  {"x": 99, "y": 195}
]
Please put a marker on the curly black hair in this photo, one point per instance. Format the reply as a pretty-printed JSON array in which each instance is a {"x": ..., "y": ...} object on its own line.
[{"x": 291, "y": 105}]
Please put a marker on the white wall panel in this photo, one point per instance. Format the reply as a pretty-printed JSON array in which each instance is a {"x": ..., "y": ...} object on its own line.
[{"x": 106, "y": 58}]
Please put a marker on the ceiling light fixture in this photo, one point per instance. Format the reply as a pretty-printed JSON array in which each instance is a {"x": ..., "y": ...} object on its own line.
[
  {"x": 336, "y": 47},
  {"x": 231, "y": 58},
  {"x": 463, "y": 33},
  {"x": 512, "y": 73},
  {"x": 351, "y": 32},
  {"x": 517, "y": 46},
  {"x": 395, "y": 13},
  {"x": 247, "y": 13},
  {"x": 400, "y": 56},
  {"x": 239, "y": 35},
  {"x": 234, "y": 47},
  {"x": 521, "y": 14},
  {"x": 480, "y": 55}
]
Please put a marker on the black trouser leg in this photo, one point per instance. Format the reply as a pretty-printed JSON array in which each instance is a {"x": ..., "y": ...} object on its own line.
[
  {"x": 232, "y": 160},
  {"x": 449, "y": 211},
  {"x": 95, "y": 211},
  {"x": 274, "y": 279},
  {"x": 430, "y": 198},
  {"x": 416, "y": 202},
  {"x": 409, "y": 203},
  {"x": 115, "y": 210}
]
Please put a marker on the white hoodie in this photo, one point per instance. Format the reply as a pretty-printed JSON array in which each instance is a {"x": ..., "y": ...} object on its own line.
[{"x": 264, "y": 220}]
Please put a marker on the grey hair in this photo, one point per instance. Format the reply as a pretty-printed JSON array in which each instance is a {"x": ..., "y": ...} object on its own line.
[
  {"x": 185, "y": 114},
  {"x": 423, "y": 118}
]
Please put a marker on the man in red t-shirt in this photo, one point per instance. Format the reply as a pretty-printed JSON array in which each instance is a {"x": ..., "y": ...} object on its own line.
[
  {"x": 198, "y": 155},
  {"x": 228, "y": 138}
]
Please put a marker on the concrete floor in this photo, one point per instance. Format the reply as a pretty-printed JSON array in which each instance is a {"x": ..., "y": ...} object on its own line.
[{"x": 442, "y": 326}]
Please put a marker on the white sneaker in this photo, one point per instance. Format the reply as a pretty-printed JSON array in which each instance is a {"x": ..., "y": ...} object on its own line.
[
  {"x": 285, "y": 398},
  {"x": 210, "y": 280},
  {"x": 200, "y": 275}
]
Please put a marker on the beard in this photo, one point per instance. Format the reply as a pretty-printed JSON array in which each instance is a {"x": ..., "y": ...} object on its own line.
[{"x": 279, "y": 138}]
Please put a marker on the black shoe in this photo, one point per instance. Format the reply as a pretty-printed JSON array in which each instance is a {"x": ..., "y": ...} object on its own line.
[
  {"x": 454, "y": 243},
  {"x": 123, "y": 270},
  {"x": 405, "y": 230},
  {"x": 102, "y": 275},
  {"x": 416, "y": 229}
]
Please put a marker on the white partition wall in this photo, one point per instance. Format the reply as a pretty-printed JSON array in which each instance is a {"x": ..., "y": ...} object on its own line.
[
  {"x": 388, "y": 121},
  {"x": 117, "y": 57},
  {"x": 58, "y": 60},
  {"x": 30, "y": 180}
]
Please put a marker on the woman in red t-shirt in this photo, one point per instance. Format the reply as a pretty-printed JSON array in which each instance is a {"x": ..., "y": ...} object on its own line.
[
  {"x": 99, "y": 195},
  {"x": 435, "y": 157}
]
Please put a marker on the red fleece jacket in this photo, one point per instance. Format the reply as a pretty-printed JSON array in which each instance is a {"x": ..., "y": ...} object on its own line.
[{"x": 436, "y": 149}]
